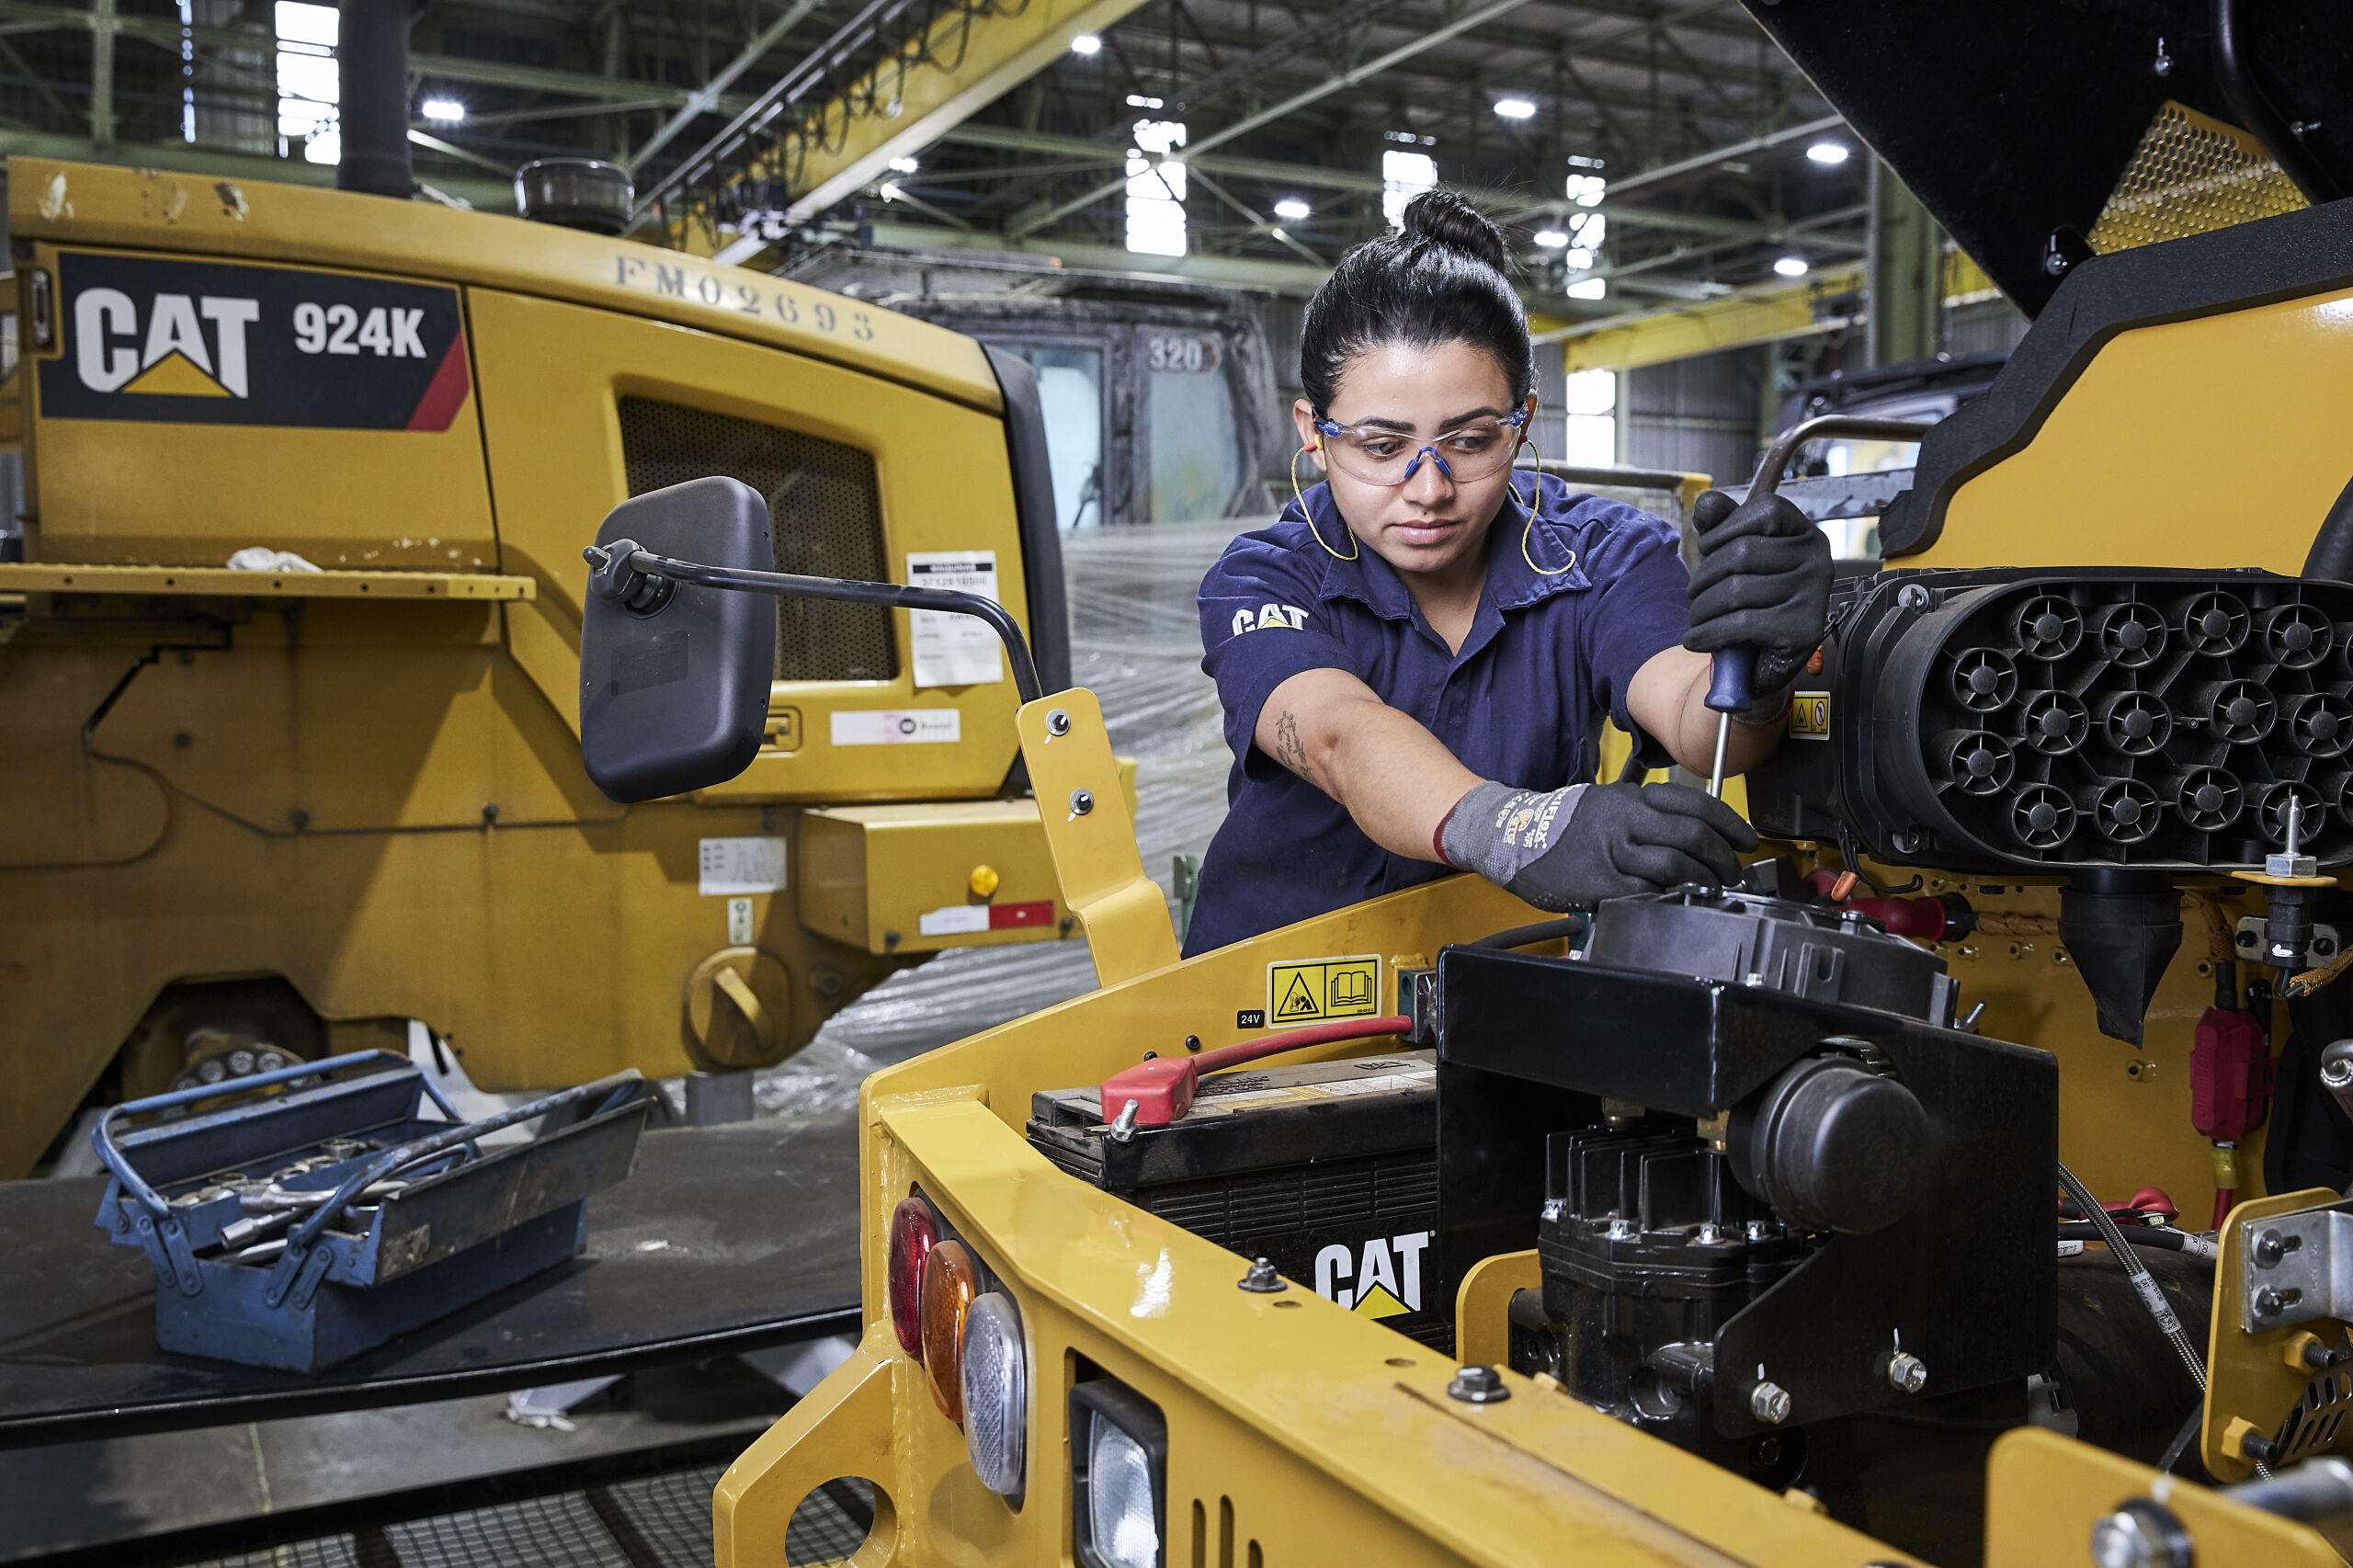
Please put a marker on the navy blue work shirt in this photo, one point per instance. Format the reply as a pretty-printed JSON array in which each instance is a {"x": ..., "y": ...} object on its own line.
[{"x": 1548, "y": 652}]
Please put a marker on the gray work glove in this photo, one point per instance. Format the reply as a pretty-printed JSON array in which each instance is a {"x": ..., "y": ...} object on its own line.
[
  {"x": 1571, "y": 849},
  {"x": 1763, "y": 580}
]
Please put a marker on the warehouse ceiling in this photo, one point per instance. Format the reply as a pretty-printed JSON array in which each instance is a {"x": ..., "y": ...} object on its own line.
[{"x": 1699, "y": 127}]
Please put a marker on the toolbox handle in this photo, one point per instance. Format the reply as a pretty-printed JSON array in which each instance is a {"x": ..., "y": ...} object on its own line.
[
  {"x": 409, "y": 1154},
  {"x": 111, "y": 1157}
]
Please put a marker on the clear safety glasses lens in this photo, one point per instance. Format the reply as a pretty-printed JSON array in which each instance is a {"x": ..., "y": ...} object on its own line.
[
  {"x": 1465, "y": 453},
  {"x": 996, "y": 1393},
  {"x": 1124, "y": 1524}
]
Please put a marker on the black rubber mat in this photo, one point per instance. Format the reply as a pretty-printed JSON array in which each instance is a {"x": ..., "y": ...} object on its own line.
[{"x": 656, "y": 1521}]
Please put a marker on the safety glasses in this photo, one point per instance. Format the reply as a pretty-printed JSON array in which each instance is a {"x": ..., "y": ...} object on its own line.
[{"x": 1475, "y": 449}]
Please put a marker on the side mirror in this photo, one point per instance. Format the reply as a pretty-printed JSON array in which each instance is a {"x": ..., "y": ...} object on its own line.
[{"x": 674, "y": 675}]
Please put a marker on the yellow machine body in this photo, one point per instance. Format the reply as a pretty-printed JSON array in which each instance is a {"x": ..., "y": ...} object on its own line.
[
  {"x": 1299, "y": 1431},
  {"x": 365, "y": 783}
]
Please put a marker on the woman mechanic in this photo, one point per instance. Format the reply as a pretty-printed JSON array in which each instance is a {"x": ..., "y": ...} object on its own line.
[{"x": 1414, "y": 658}]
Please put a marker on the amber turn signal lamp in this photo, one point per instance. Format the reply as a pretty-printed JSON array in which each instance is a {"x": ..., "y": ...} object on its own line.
[{"x": 950, "y": 1281}]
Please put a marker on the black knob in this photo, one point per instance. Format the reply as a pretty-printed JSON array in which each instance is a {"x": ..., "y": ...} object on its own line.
[{"x": 1832, "y": 1146}]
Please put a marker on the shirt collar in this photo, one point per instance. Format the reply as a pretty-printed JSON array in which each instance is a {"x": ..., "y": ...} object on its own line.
[{"x": 1516, "y": 577}]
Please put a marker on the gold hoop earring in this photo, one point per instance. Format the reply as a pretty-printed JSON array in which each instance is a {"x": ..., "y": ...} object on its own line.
[
  {"x": 1528, "y": 530},
  {"x": 1309, "y": 517}
]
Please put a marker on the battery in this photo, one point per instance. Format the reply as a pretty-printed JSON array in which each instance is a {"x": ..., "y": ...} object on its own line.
[{"x": 1327, "y": 1168}]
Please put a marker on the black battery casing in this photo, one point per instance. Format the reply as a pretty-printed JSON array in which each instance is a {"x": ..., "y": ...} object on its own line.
[{"x": 1328, "y": 1168}]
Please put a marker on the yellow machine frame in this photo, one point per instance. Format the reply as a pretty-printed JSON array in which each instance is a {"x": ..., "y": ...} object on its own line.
[{"x": 365, "y": 783}]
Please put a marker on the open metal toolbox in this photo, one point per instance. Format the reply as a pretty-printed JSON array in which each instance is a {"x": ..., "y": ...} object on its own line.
[{"x": 296, "y": 1228}]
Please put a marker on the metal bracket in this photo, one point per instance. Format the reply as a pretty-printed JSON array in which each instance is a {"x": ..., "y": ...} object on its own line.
[
  {"x": 2254, "y": 929},
  {"x": 2296, "y": 1269},
  {"x": 315, "y": 1269}
]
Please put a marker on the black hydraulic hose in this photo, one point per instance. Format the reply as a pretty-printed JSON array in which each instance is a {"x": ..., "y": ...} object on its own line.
[
  {"x": 1568, "y": 926},
  {"x": 2156, "y": 1238},
  {"x": 623, "y": 561},
  {"x": 2144, "y": 1284},
  {"x": 2256, "y": 112}
]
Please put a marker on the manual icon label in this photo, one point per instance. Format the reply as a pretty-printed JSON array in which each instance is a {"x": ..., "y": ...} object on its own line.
[{"x": 1311, "y": 990}]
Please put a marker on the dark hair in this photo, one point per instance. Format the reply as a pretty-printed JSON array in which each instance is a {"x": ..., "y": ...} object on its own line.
[{"x": 1440, "y": 281}]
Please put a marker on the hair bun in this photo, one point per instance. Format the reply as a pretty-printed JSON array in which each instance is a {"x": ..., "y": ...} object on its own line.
[{"x": 1443, "y": 218}]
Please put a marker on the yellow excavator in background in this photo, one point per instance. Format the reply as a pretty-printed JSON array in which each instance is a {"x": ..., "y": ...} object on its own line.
[{"x": 288, "y": 665}]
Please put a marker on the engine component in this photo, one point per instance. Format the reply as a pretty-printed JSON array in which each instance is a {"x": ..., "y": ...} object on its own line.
[
  {"x": 2123, "y": 928},
  {"x": 2030, "y": 721},
  {"x": 1748, "y": 1105}
]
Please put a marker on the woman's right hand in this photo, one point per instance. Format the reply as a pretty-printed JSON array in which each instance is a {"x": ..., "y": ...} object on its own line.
[{"x": 1571, "y": 849}]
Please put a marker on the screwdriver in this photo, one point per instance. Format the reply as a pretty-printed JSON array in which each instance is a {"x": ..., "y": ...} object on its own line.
[{"x": 1728, "y": 677}]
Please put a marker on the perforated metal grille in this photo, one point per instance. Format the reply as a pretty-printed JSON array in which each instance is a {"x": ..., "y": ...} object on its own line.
[
  {"x": 824, "y": 510},
  {"x": 2191, "y": 175}
]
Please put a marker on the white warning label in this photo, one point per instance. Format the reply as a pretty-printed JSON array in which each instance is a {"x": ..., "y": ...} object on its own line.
[
  {"x": 730, "y": 867},
  {"x": 898, "y": 727},
  {"x": 954, "y": 650}
]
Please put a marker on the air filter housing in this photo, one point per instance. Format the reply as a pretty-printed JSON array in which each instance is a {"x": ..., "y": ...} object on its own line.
[{"x": 2046, "y": 723}]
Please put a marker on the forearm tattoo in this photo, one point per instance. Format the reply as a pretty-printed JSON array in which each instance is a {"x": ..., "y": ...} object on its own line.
[{"x": 1289, "y": 752}]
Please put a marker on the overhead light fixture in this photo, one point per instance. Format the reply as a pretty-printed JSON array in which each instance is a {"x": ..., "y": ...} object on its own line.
[
  {"x": 905, "y": 166},
  {"x": 1790, "y": 266},
  {"x": 1291, "y": 208},
  {"x": 1827, "y": 154},
  {"x": 1516, "y": 108},
  {"x": 890, "y": 191},
  {"x": 448, "y": 111},
  {"x": 1550, "y": 239},
  {"x": 1138, "y": 100},
  {"x": 1086, "y": 43}
]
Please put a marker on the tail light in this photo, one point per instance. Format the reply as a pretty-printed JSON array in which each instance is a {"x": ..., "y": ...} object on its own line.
[
  {"x": 913, "y": 1232},
  {"x": 950, "y": 1281},
  {"x": 996, "y": 1393}
]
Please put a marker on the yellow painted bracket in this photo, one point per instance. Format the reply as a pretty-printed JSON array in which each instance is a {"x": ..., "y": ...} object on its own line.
[
  {"x": 2252, "y": 1378},
  {"x": 1092, "y": 836},
  {"x": 220, "y": 582},
  {"x": 841, "y": 1429},
  {"x": 1483, "y": 1306},
  {"x": 2044, "y": 1492}
]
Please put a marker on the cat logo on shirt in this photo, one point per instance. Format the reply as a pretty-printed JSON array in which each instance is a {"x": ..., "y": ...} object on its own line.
[{"x": 1282, "y": 617}]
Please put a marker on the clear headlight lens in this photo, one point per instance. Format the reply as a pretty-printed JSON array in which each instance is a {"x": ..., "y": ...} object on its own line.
[
  {"x": 996, "y": 1392},
  {"x": 1121, "y": 1519}
]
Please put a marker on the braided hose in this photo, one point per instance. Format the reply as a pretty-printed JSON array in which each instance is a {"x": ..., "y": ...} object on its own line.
[{"x": 2144, "y": 1284}]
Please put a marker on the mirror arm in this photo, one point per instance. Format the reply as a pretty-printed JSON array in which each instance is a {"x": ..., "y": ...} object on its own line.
[{"x": 623, "y": 571}]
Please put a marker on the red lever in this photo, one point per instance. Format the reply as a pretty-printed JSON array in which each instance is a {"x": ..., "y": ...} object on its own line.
[{"x": 1161, "y": 1088}]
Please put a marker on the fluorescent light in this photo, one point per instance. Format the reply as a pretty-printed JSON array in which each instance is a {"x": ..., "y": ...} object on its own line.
[
  {"x": 447, "y": 110},
  {"x": 1829, "y": 154},
  {"x": 1581, "y": 258},
  {"x": 1591, "y": 289},
  {"x": 904, "y": 166},
  {"x": 1137, "y": 100},
  {"x": 1291, "y": 208},
  {"x": 1515, "y": 108},
  {"x": 890, "y": 191},
  {"x": 1550, "y": 239},
  {"x": 1086, "y": 43},
  {"x": 1790, "y": 266}
]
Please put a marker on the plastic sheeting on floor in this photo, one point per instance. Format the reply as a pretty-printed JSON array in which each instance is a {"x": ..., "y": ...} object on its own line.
[{"x": 1136, "y": 643}]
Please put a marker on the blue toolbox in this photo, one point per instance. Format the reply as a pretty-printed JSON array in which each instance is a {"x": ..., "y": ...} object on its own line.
[{"x": 298, "y": 1216}]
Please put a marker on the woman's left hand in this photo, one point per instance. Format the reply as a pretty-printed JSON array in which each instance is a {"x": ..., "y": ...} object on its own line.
[{"x": 1763, "y": 580}]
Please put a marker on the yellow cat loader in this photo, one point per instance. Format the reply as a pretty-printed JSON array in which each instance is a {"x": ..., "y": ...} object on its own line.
[
  {"x": 249, "y": 812},
  {"x": 1966, "y": 1187}
]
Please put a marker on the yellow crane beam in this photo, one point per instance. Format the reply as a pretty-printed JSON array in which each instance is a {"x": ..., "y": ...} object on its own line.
[
  {"x": 1815, "y": 304},
  {"x": 968, "y": 59}
]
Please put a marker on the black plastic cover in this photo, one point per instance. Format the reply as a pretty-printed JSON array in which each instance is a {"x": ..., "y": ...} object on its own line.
[{"x": 677, "y": 699}]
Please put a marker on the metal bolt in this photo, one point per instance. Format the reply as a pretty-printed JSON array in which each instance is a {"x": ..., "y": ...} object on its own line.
[
  {"x": 1081, "y": 803},
  {"x": 1478, "y": 1385},
  {"x": 1554, "y": 1209},
  {"x": 1757, "y": 1230},
  {"x": 2270, "y": 1303},
  {"x": 1710, "y": 1235},
  {"x": 1913, "y": 596},
  {"x": 1620, "y": 1229},
  {"x": 2338, "y": 1073},
  {"x": 1057, "y": 722},
  {"x": 1262, "y": 1279},
  {"x": 1906, "y": 1373},
  {"x": 1123, "y": 1126},
  {"x": 1771, "y": 1402},
  {"x": 2269, "y": 1248},
  {"x": 2140, "y": 1534}
]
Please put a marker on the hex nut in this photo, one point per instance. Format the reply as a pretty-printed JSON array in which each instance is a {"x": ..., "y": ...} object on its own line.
[
  {"x": 1478, "y": 1385},
  {"x": 1771, "y": 1403},
  {"x": 1906, "y": 1373},
  {"x": 1262, "y": 1279}
]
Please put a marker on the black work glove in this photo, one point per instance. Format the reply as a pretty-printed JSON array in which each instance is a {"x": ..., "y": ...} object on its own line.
[
  {"x": 1763, "y": 580},
  {"x": 1571, "y": 849}
]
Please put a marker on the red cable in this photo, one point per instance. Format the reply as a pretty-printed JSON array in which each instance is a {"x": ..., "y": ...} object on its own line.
[
  {"x": 1297, "y": 1039},
  {"x": 1161, "y": 1086}
]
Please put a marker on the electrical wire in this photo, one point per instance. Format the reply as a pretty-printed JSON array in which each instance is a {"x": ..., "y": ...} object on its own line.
[
  {"x": 2144, "y": 1284},
  {"x": 1570, "y": 926}
]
